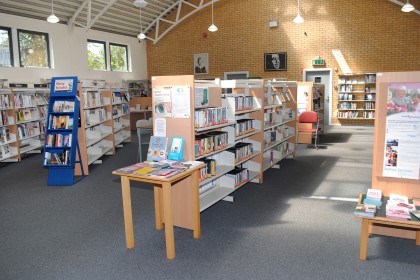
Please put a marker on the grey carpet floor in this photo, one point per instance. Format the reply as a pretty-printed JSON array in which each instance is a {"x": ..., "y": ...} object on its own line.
[{"x": 298, "y": 224}]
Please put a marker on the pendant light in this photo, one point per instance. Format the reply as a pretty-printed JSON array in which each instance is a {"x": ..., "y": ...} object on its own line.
[
  {"x": 298, "y": 18},
  {"x": 140, "y": 3},
  {"x": 52, "y": 18},
  {"x": 212, "y": 27},
  {"x": 141, "y": 35},
  {"x": 407, "y": 7}
]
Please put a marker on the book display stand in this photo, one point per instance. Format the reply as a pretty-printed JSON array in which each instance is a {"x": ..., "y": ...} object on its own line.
[{"x": 61, "y": 142}]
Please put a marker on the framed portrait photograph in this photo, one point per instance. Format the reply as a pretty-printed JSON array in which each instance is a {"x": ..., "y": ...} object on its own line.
[
  {"x": 201, "y": 63},
  {"x": 275, "y": 61}
]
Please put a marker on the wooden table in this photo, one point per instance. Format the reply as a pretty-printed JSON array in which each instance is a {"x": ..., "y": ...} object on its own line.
[
  {"x": 381, "y": 220},
  {"x": 165, "y": 185}
]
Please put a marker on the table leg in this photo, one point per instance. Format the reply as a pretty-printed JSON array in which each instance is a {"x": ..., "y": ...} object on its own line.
[
  {"x": 169, "y": 227},
  {"x": 418, "y": 237},
  {"x": 364, "y": 235},
  {"x": 128, "y": 215},
  {"x": 158, "y": 208},
  {"x": 196, "y": 206}
]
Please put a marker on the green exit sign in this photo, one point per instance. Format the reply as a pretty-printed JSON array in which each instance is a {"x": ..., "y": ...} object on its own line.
[{"x": 318, "y": 61}]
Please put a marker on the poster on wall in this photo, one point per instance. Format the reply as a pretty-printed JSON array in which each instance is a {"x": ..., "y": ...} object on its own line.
[
  {"x": 181, "y": 101},
  {"x": 162, "y": 102},
  {"x": 402, "y": 135},
  {"x": 302, "y": 98}
]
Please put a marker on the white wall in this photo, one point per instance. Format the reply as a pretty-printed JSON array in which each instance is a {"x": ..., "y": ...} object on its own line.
[{"x": 69, "y": 53}]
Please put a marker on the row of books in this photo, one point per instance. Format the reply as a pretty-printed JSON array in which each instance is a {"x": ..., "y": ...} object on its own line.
[
  {"x": 4, "y": 135},
  {"x": 209, "y": 170},
  {"x": 28, "y": 129},
  {"x": 370, "y": 96},
  {"x": 210, "y": 116},
  {"x": 4, "y": 118},
  {"x": 347, "y": 105},
  {"x": 241, "y": 150},
  {"x": 345, "y": 88},
  {"x": 96, "y": 116},
  {"x": 23, "y": 100},
  {"x": 120, "y": 110},
  {"x": 4, "y": 151},
  {"x": 240, "y": 175},
  {"x": 369, "y": 115},
  {"x": 62, "y": 158},
  {"x": 95, "y": 99},
  {"x": 348, "y": 115},
  {"x": 58, "y": 140},
  {"x": 369, "y": 105},
  {"x": 60, "y": 122},
  {"x": 244, "y": 126},
  {"x": 346, "y": 96},
  {"x": 119, "y": 97},
  {"x": 242, "y": 102},
  {"x": 5, "y": 101},
  {"x": 30, "y": 114},
  {"x": 209, "y": 142},
  {"x": 63, "y": 106}
]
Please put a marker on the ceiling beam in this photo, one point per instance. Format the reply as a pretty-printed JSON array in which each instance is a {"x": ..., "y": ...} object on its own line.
[{"x": 109, "y": 5}]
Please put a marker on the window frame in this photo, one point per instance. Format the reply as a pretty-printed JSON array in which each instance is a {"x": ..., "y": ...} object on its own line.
[
  {"x": 105, "y": 54},
  {"x": 47, "y": 40},
  {"x": 9, "y": 31},
  {"x": 126, "y": 57}
]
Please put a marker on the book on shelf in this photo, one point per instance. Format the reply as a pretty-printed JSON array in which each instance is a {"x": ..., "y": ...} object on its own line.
[{"x": 157, "y": 148}]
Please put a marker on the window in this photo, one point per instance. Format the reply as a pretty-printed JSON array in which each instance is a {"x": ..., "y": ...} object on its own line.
[
  {"x": 119, "y": 57},
  {"x": 6, "y": 50},
  {"x": 34, "y": 50},
  {"x": 96, "y": 55}
]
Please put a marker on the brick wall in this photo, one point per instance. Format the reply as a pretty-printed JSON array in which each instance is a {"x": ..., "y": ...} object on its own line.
[{"x": 373, "y": 36}]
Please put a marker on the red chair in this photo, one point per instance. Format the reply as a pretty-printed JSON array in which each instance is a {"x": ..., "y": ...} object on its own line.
[{"x": 309, "y": 117}]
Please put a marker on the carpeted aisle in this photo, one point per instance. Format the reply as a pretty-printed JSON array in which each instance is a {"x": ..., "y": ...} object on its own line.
[{"x": 298, "y": 224}]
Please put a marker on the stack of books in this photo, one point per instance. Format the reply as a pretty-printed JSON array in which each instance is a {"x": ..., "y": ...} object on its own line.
[
  {"x": 373, "y": 197},
  {"x": 372, "y": 201},
  {"x": 398, "y": 207}
]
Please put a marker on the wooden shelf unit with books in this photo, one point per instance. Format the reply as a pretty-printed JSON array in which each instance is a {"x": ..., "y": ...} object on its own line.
[
  {"x": 356, "y": 97},
  {"x": 279, "y": 123},
  {"x": 121, "y": 116},
  {"x": 9, "y": 145},
  {"x": 23, "y": 122}
]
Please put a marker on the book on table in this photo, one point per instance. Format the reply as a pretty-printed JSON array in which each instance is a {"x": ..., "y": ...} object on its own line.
[
  {"x": 157, "y": 148},
  {"x": 365, "y": 210},
  {"x": 161, "y": 169}
]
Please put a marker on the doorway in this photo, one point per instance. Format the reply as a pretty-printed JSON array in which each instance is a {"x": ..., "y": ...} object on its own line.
[{"x": 322, "y": 76}]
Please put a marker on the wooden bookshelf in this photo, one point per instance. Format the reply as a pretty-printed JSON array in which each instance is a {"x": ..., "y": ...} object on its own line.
[
  {"x": 25, "y": 112},
  {"x": 356, "y": 98},
  {"x": 279, "y": 125}
]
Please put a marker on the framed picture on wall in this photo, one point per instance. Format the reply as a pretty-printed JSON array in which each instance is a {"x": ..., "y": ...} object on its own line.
[
  {"x": 275, "y": 61},
  {"x": 201, "y": 63}
]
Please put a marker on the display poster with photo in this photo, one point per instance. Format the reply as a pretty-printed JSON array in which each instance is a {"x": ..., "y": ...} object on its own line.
[
  {"x": 402, "y": 135},
  {"x": 302, "y": 98},
  {"x": 181, "y": 105},
  {"x": 162, "y": 102}
]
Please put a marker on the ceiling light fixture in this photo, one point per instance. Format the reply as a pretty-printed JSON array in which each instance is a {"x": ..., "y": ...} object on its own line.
[
  {"x": 407, "y": 7},
  {"x": 212, "y": 27},
  {"x": 140, "y": 3},
  {"x": 141, "y": 35},
  {"x": 52, "y": 18},
  {"x": 298, "y": 18}
]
